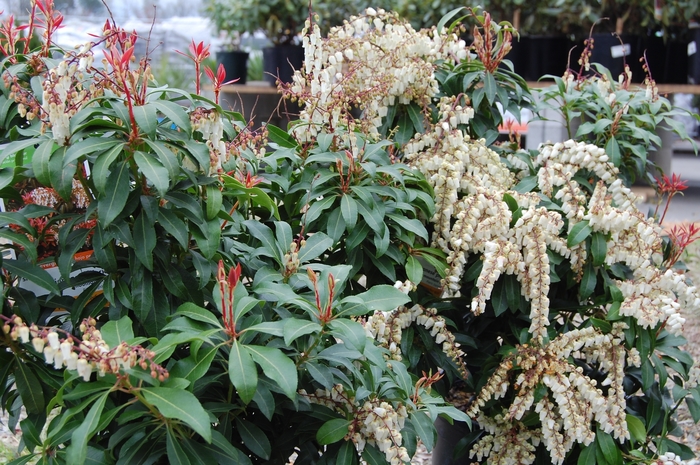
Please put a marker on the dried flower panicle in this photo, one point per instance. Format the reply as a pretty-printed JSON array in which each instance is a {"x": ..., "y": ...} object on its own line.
[{"x": 87, "y": 355}]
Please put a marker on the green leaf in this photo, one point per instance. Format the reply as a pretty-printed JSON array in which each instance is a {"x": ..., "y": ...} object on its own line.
[
  {"x": 350, "y": 332},
  {"x": 579, "y": 233},
  {"x": 174, "y": 226},
  {"x": 115, "y": 332},
  {"x": 588, "y": 281},
  {"x": 527, "y": 184},
  {"x": 490, "y": 87},
  {"x": 587, "y": 456},
  {"x": 636, "y": 428},
  {"x": 242, "y": 371},
  {"x": 332, "y": 431},
  {"x": 40, "y": 161},
  {"x": 280, "y": 137},
  {"x": 90, "y": 145},
  {"x": 414, "y": 269},
  {"x": 347, "y": 455},
  {"x": 77, "y": 451},
  {"x": 383, "y": 298},
  {"x": 414, "y": 112},
  {"x": 314, "y": 246},
  {"x": 102, "y": 168},
  {"x": 147, "y": 119},
  {"x": 193, "y": 368},
  {"x": 214, "y": 201},
  {"x": 254, "y": 438},
  {"x": 294, "y": 328},
  {"x": 599, "y": 248},
  {"x": 175, "y": 113},
  {"x": 33, "y": 273},
  {"x": 225, "y": 452},
  {"x": 197, "y": 313},
  {"x": 176, "y": 455},
  {"x": 165, "y": 156},
  {"x": 144, "y": 240},
  {"x": 612, "y": 148},
  {"x": 153, "y": 170},
  {"x": 60, "y": 174},
  {"x": 276, "y": 366},
  {"x": 511, "y": 285},
  {"x": 180, "y": 405},
  {"x": 425, "y": 429},
  {"x": 29, "y": 388},
  {"x": 607, "y": 449},
  {"x": 22, "y": 240},
  {"x": 373, "y": 456},
  {"x": 411, "y": 224},
  {"x": 112, "y": 203},
  {"x": 264, "y": 234},
  {"x": 348, "y": 208}
]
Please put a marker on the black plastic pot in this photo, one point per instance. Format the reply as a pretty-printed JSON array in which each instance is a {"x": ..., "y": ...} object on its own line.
[
  {"x": 667, "y": 59},
  {"x": 547, "y": 55},
  {"x": 235, "y": 63},
  {"x": 613, "y": 52},
  {"x": 279, "y": 62},
  {"x": 694, "y": 57}
]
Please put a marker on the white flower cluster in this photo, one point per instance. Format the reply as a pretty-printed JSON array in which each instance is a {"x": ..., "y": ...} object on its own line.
[
  {"x": 64, "y": 95},
  {"x": 374, "y": 422},
  {"x": 574, "y": 401},
  {"x": 211, "y": 125},
  {"x": 387, "y": 329},
  {"x": 85, "y": 356},
  {"x": 371, "y": 62},
  {"x": 506, "y": 442},
  {"x": 669, "y": 458}
]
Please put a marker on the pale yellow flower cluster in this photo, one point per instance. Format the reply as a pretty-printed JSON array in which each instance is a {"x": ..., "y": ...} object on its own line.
[
  {"x": 371, "y": 62},
  {"x": 576, "y": 402},
  {"x": 374, "y": 422}
]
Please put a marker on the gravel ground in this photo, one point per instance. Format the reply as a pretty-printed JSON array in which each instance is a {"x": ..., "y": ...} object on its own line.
[{"x": 691, "y": 431}]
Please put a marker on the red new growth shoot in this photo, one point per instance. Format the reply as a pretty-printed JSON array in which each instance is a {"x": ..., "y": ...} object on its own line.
[
  {"x": 218, "y": 81},
  {"x": 670, "y": 187},
  {"x": 227, "y": 286}
]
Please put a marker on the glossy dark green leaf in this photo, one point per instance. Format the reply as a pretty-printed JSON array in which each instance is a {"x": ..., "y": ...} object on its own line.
[
  {"x": 314, "y": 246},
  {"x": 225, "y": 452},
  {"x": 214, "y": 201},
  {"x": 414, "y": 269},
  {"x": 29, "y": 388},
  {"x": 102, "y": 168},
  {"x": 347, "y": 455},
  {"x": 33, "y": 273},
  {"x": 416, "y": 115},
  {"x": 348, "y": 207},
  {"x": 153, "y": 170},
  {"x": 175, "y": 113},
  {"x": 527, "y": 184},
  {"x": 115, "y": 332},
  {"x": 280, "y": 137},
  {"x": 22, "y": 240},
  {"x": 411, "y": 224},
  {"x": 383, "y": 298},
  {"x": 61, "y": 175},
  {"x": 607, "y": 448},
  {"x": 180, "y": 405},
  {"x": 612, "y": 148},
  {"x": 176, "y": 455},
  {"x": 264, "y": 234},
  {"x": 636, "y": 428},
  {"x": 144, "y": 240},
  {"x": 40, "y": 161},
  {"x": 578, "y": 233},
  {"x": 198, "y": 313},
  {"x": 174, "y": 226},
  {"x": 254, "y": 438},
  {"x": 425, "y": 429},
  {"x": 242, "y": 371},
  {"x": 587, "y": 456},
  {"x": 588, "y": 281},
  {"x": 490, "y": 87},
  {"x": 599, "y": 248},
  {"x": 332, "y": 431},
  {"x": 87, "y": 146},
  {"x": 208, "y": 237},
  {"x": 276, "y": 366},
  {"x": 112, "y": 203},
  {"x": 146, "y": 118},
  {"x": 350, "y": 332},
  {"x": 165, "y": 156},
  {"x": 77, "y": 451},
  {"x": 295, "y": 328},
  {"x": 373, "y": 456}
]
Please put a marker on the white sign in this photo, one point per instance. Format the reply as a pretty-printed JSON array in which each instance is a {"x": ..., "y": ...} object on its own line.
[{"x": 619, "y": 51}]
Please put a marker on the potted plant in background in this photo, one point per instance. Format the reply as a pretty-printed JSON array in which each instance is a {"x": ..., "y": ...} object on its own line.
[
  {"x": 229, "y": 24},
  {"x": 279, "y": 21}
]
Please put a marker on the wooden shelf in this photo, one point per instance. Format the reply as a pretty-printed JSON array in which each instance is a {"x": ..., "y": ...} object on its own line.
[
  {"x": 251, "y": 87},
  {"x": 663, "y": 88}
]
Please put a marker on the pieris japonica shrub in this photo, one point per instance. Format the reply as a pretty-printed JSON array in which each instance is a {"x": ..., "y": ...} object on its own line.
[
  {"x": 317, "y": 291},
  {"x": 557, "y": 313}
]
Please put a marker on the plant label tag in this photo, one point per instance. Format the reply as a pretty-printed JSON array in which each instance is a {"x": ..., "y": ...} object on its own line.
[
  {"x": 432, "y": 280},
  {"x": 619, "y": 51},
  {"x": 692, "y": 48}
]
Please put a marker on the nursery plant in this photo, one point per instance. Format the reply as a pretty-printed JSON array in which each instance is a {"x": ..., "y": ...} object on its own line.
[{"x": 317, "y": 291}]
